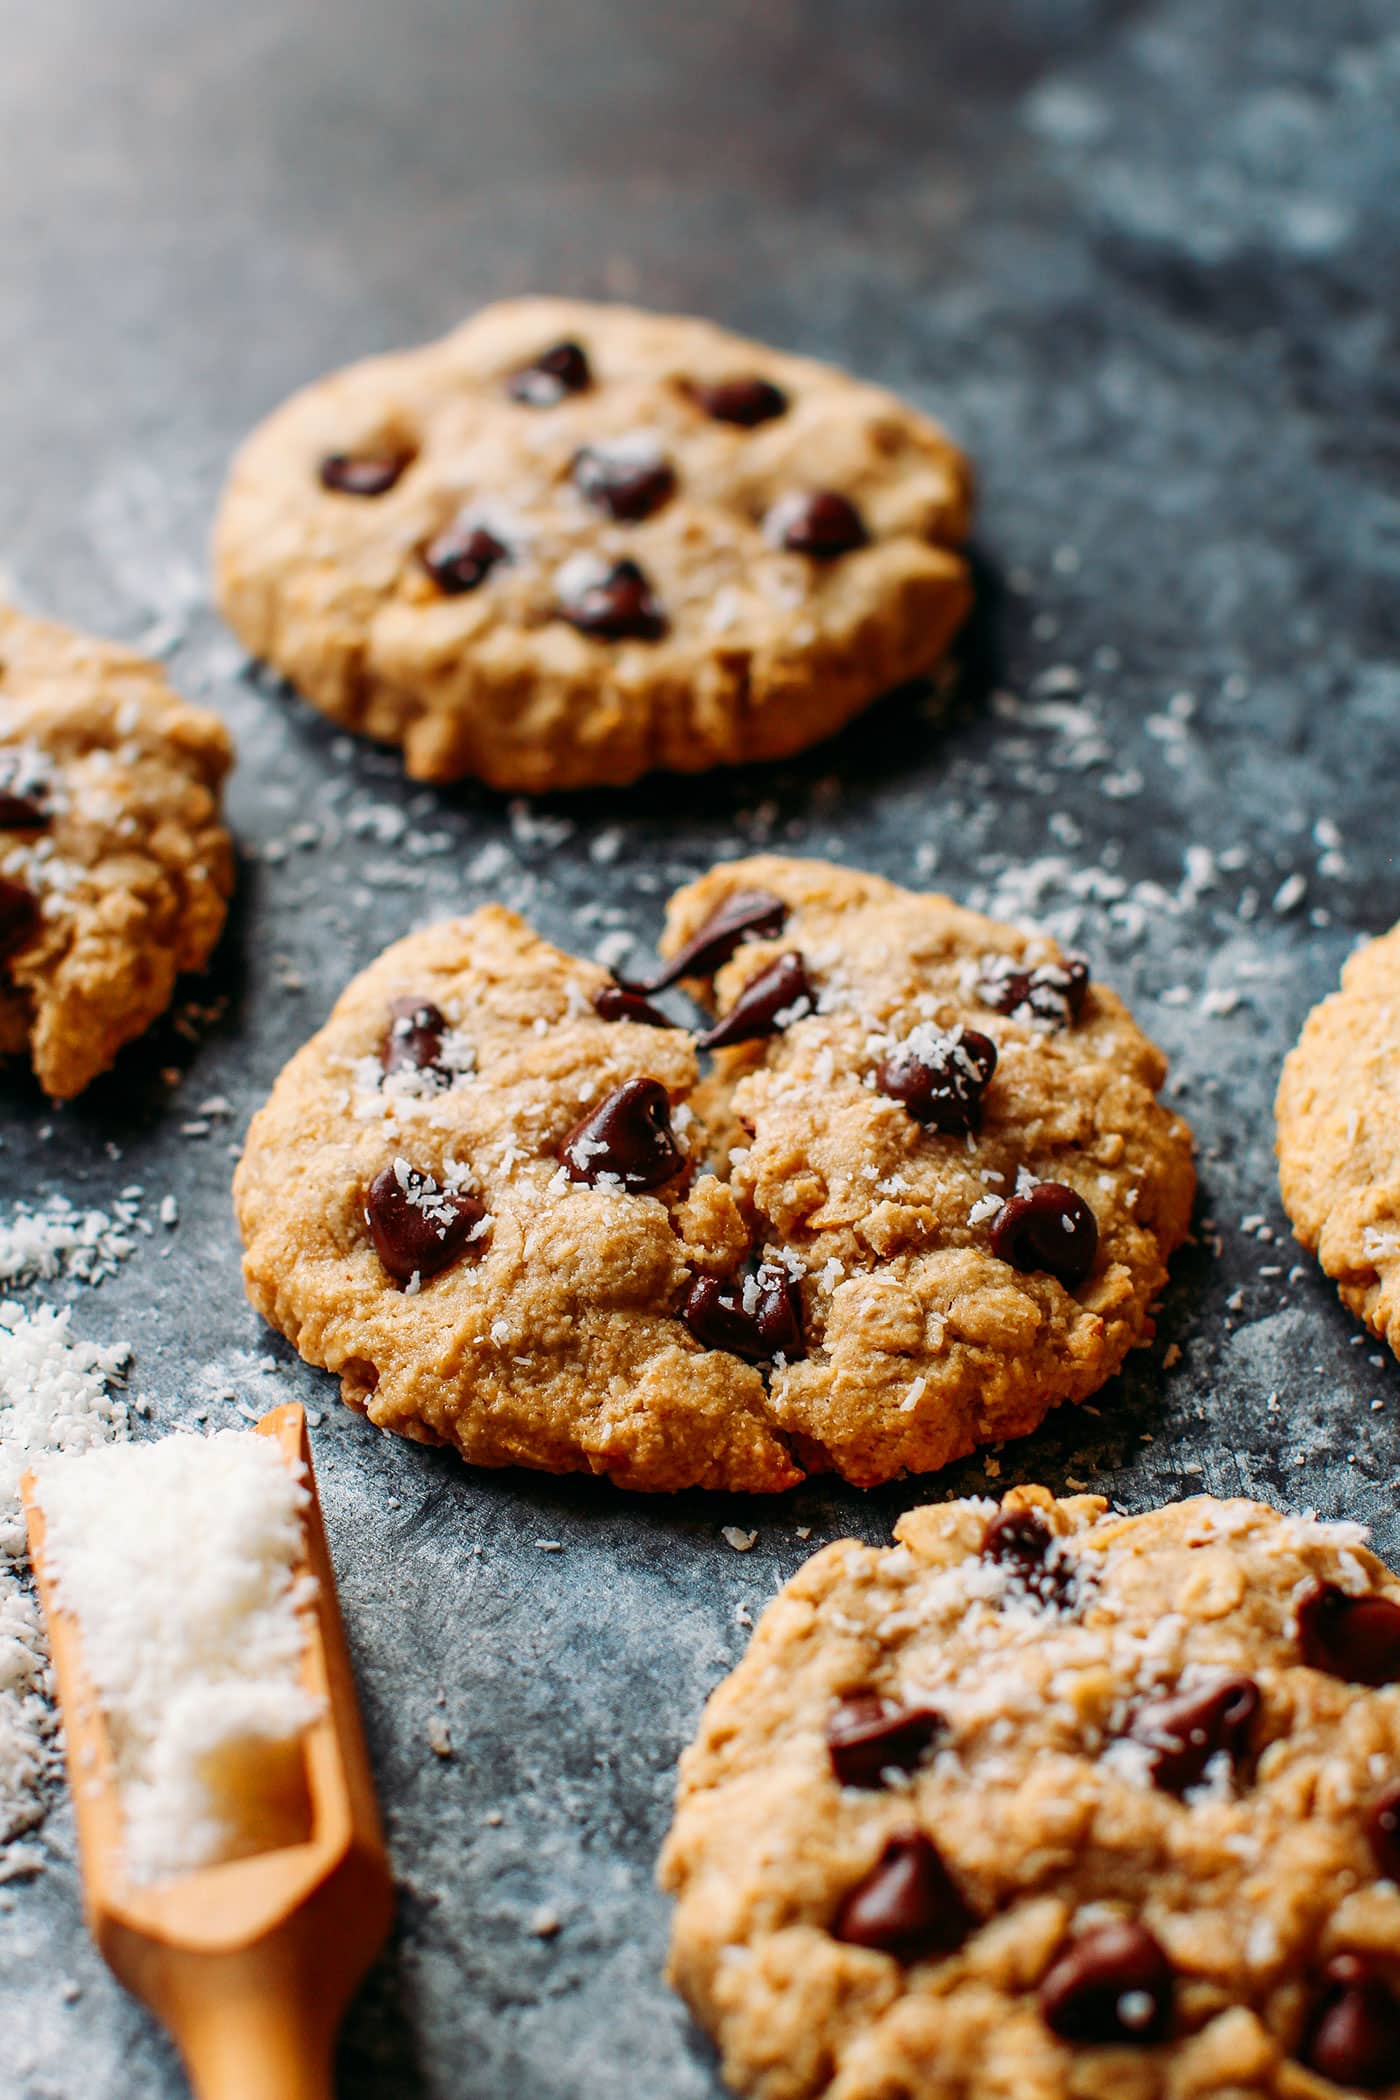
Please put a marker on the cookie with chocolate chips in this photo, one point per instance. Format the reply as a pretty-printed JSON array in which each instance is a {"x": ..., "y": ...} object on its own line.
[
  {"x": 115, "y": 869},
  {"x": 863, "y": 1222},
  {"x": 572, "y": 543},
  {"x": 1048, "y": 1802}
]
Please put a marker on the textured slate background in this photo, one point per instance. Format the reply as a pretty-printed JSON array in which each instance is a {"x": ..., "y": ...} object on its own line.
[{"x": 1141, "y": 258}]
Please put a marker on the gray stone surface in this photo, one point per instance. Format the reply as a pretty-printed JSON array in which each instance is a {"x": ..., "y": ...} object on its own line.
[{"x": 1140, "y": 254}]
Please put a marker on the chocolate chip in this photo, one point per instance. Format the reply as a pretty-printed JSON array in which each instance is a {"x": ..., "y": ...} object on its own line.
[
  {"x": 1052, "y": 1228},
  {"x": 865, "y": 1737},
  {"x": 1356, "y": 1638},
  {"x": 616, "y": 604},
  {"x": 907, "y": 1905},
  {"x": 24, "y": 795},
  {"x": 462, "y": 557},
  {"x": 940, "y": 1078},
  {"x": 1383, "y": 1829},
  {"x": 414, "y": 1039},
  {"x": 1020, "y": 1539},
  {"x": 562, "y": 369},
  {"x": 19, "y": 915},
  {"x": 748, "y": 914},
  {"x": 747, "y": 401},
  {"x": 1112, "y": 1983},
  {"x": 623, "y": 481},
  {"x": 1353, "y": 2035},
  {"x": 1186, "y": 1732},
  {"x": 758, "y": 1318},
  {"x": 1052, "y": 992},
  {"x": 770, "y": 1002},
  {"x": 613, "y": 1002},
  {"x": 363, "y": 473},
  {"x": 418, "y": 1226},
  {"x": 21, "y": 812},
  {"x": 627, "y": 1136},
  {"x": 821, "y": 523}
]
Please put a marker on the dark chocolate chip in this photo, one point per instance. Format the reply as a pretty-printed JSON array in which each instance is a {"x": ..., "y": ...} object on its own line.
[
  {"x": 21, "y": 812},
  {"x": 747, "y": 915},
  {"x": 1052, "y": 992},
  {"x": 462, "y": 557},
  {"x": 622, "y": 484},
  {"x": 1020, "y": 1540},
  {"x": 822, "y": 523},
  {"x": 1383, "y": 1829},
  {"x": 1356, "y": 1638},
  {"x": 414, "y": 1039},
  {"x": 363, "y": 473},
  {"x": 19, "y": 915},
  {"x": 940, "y": 1078},
  {"x": 628, "y": 1136},
  {"x": 757, "y": 1318},
  {"x": 1112, "y": 1983},
  {"x": 1051, "y": 1228},
  {"x": 1353, "y": 2034},
  {"x": 560, "y": 370},
  {"x": 613, "y": 1002},
  {"x": 24, "y": 797},
  {"x": 770, "y": 1002},
  {"x": 616, "y": 604},
  {"x": 747, "y": 401},
  {"x": 418, "y": 1226},
  {"x": 865, "y": 1737},
  {"x": 1186, "y": 1732},
  {"x": 907, "y": 1905}
]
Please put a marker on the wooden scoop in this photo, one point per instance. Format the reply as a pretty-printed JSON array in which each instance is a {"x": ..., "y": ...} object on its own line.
[{"x": 250, "y": 1964}]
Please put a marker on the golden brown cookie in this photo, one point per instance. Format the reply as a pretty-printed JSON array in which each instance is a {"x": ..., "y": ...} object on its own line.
[
  {"x": 571, "y": 543},
  {"x": 115, "y": 870},
  {"x": 924, "y": 1192},
  {"x": 1045, "y": 1803}
]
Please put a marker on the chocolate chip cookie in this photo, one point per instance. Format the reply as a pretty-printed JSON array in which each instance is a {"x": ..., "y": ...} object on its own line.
[
  {"x": 571, "y": 543},
  {"x": 1338, "y": 1113},
  {"x": 1050, "y": 1803},
  {"x": 921, "y": 1191},
  {"x": 115, "y": 870}
]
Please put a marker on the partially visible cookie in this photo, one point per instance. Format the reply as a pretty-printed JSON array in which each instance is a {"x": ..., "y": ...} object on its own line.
[
  {"x": 924, "y": 1192},
  {"x": 1044, "y": 1803},
  {"x": 115, "y": 869},
  {"x": 571, "y": 543},
  {"x": 1338, "y": 1143}
]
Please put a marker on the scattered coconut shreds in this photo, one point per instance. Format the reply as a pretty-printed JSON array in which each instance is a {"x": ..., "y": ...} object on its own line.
[
  {"x": 57, "y": 1239},
  {"x": 741, "y": 1541}
]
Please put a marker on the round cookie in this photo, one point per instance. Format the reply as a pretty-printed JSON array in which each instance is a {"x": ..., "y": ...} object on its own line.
[
  {"x": 115, "y": 870},
  {"x": 571, "y": 543},
  {"x": 850, "y": 1246},
  {"x": 1045, "y": 1803},
  {"x": 1338, "y": 1144}
]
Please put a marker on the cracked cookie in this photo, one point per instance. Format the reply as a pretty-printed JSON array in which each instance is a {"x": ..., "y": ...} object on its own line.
[
  {"x": 923, "y": 1191},
  {"x": 1051, "y": 1803},
  {"x": 115, "y": 869},
  {"x": 571, "y": 543}
]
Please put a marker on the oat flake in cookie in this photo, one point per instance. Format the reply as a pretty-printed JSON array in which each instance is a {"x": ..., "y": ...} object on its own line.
[
  {"x": 1095, "y": 1819},
  {"x": 571, "y": 543},
  {"x": 503, "y": 1198},
  {"x": 115, "y": 869}
]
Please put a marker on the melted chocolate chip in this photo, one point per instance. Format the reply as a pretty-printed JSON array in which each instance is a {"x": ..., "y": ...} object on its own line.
[
  {"x": 19, "y": 916},
  {"x": 616, "y": 604},
  {"x": 462, "y": 557},
  {"x": 907, "y": 1905},
  {"x": 1383, "y": 1829},
  {"x": 363, "y": 473},
  {"x": 1356, "y": 1638},
  {"x": 1112, "y": 1983},
  {"x": 864, "y": 1738},
  {"x": 747, "y": 401},
  {"x": 414, "y": 1040},
  {"x": 758, "y": 1318},
  {"x": 627, "y": 1136},
  {"x": 770, "y": 1002},
  {"x": 821, "y": 523},
  {"x": 1353, "y": 2035},
  {"x": 560, "y": 370},
  {"x": 1052, "y": 992},
  {"x": 748, "y": 914},
  {"x": 621, "y": 483},
  {"x": 1020, "y": 1540},
  {"x": 1051, "y": 1228},
  {"x": 418, "y": 1227},
  {"x": 940, "y": 1078},
  {"x": 1186, "y": 1732},
  {"x": 613, "y": 1002}
]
